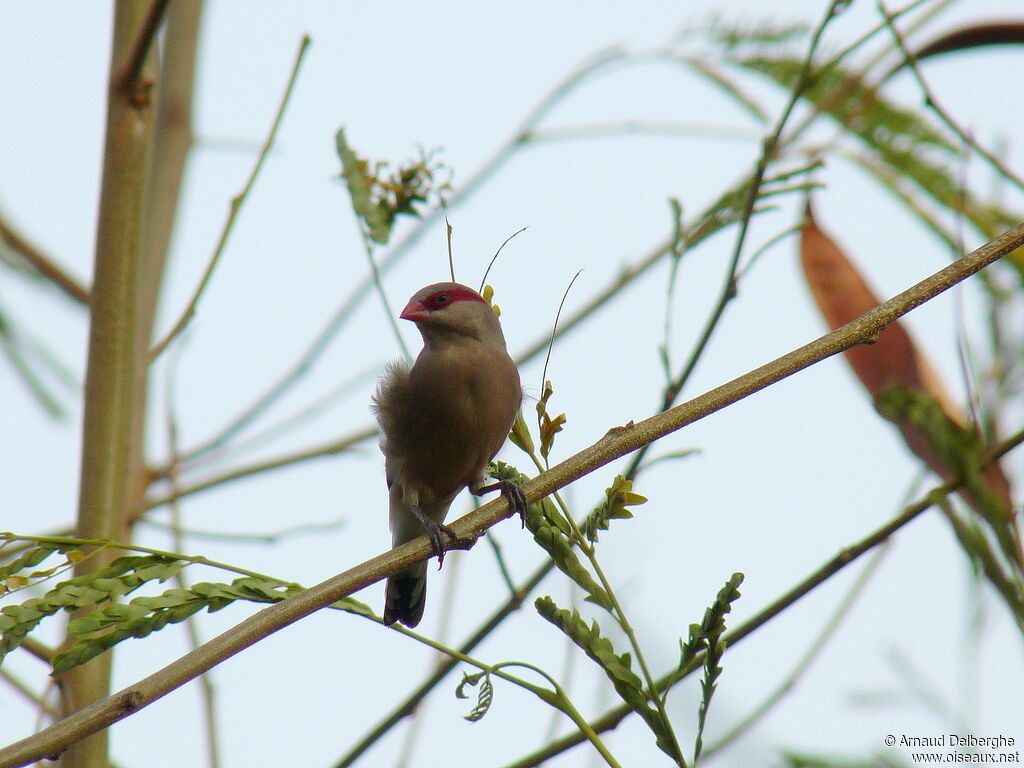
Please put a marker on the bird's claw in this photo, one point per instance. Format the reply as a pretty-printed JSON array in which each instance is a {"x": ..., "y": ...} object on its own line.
[
  {"x": 515, "y": 497},
  {"x": 510, "y": 491},
  {"x": 438, "y": 543},
  {"x": 436, "y": 533}
]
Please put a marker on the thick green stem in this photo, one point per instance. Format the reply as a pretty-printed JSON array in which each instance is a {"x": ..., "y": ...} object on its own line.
[{"x": 115, "y": 368}]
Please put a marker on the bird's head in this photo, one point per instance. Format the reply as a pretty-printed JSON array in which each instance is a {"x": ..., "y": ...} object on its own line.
[{"x": 445, "y": 308}]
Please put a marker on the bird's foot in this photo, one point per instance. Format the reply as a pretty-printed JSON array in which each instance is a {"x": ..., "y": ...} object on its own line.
[
  {"x": 511, "y": 491},
  {"x": 436, "y": 533}
]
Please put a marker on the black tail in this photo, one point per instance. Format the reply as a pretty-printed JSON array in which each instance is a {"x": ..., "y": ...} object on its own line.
[{"x": 405, "y": 596}]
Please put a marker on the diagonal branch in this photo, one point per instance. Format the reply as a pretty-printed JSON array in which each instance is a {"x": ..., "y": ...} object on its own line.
[
  {"x": 42, "y": 264},
  {"x": 328, "y": 449},
  {"x": 929, "y": 99},
  {"x": 235, "y": 207},
  {"x": 618, "y": 442}
]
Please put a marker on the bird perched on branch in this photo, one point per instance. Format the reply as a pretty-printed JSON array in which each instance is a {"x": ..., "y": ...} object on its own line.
[{"x": 442, "y": 421}]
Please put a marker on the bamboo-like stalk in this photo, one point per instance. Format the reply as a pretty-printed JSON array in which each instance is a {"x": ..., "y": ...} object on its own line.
[
  {"x": 172, "y": 142},
  {"x": 115, "y": 367}
]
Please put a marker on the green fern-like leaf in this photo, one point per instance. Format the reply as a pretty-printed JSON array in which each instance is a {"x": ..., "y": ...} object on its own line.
[
  {"x": 485, "y": 696},
  {"x": 109, "y": 622},
  {"x": 961, "y": 454},
  {"x": 28, "y": 559},
  {"x": 378, "y": 200},
  {"x": 617, "y": 497},
  {"x": 553, "y": 533},
  {"x": 617, "y": 667},
  {"x": 18, "y": 573},
  {"x": 713, "y": 624},
  {"x": 119, "y": 578},
  {"x": 599, "y": 648},
  {"x": 850, "y": 99},
  {"x": 707, "y": 636},
  {"x": 901, "y": 139},
  {"x": 761, "y": 33},
  {"x": 958, "y": 448},
  {"x": 549, "y": 427},
  {"x": 104, "y": 628},
  {"x": 355, "y": 171},
  {"x": 729, "y": 208},
  {"x": 558, "y": 545},
  {"x": 351, "y": 605},
  {"x": 520, "y": 434}
]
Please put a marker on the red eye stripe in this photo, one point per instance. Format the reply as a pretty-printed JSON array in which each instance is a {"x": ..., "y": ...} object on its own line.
[{"x": 443, "y": 298}]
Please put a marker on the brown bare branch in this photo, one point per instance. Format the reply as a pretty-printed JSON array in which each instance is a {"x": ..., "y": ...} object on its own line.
[{"x": 43, "y": 264}]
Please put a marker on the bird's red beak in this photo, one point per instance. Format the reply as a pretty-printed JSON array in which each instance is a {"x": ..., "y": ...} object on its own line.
[{"x": 415, "y": 311}]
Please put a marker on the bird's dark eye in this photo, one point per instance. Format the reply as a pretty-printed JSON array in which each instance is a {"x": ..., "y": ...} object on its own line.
[{"x": 441, "y": 299}]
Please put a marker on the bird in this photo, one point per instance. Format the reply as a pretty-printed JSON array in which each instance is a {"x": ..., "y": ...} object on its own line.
[{"x": 442, "y": 421}]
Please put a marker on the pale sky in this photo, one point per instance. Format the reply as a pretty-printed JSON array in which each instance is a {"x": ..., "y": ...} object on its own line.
[{"x": 783, "y": 480}]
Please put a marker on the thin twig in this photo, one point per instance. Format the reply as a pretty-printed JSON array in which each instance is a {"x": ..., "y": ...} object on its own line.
[
  {"x": 128, "y": 79},
  {"x": 629, "y": 274},
  {"x": 236, "y": 206},
  {"x": 112, "y": 545},
  {"x": 770, "y": 243},
  {"x": 770, "y": 147},
  {"x": 271, "y": 537},
  {"x": 279, "y": 387},
  {"x": 643, "y": 127},
  {"x": 706, "y": 227},
  {"x": 844, "y": 92},
  {"x": 678, "y": 250},
  {"x": 17, "y": 348},
  {"x": 808, "y": 658},
  {"x": 499, "y": 556},
  {"x": 619, "y": 614},
  {"x": 451, "y": 257},
  {"x": 172, "y": 144},
  {"x": 494, "y": 258},
  {"x": 559, "y": 700},
  {"x": 329, "y": 449},
  {"x": 37, "y": 700},
  {"x": 554, "y": 329},
  {"x": 378, "y": 285},
  {"x": 42, "y": 652},
  {"x": 287, "y": 423},
  {"x": 931, "y": 102},
  {"x": 178, "y": 542},
  {"x": 44, "y": 265},
  {"x": 934, "y": 10}
]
